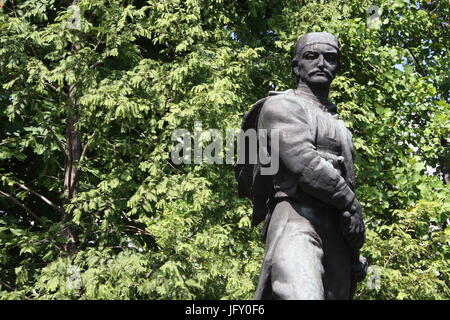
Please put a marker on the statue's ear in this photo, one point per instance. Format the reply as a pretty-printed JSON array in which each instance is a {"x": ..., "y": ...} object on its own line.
[{"x": 295, "y": 68}]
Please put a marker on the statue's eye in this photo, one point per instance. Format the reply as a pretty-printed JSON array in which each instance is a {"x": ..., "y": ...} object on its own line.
[
  {"x": 330, "y": 56},
  {"x": 310, "y": 55}
]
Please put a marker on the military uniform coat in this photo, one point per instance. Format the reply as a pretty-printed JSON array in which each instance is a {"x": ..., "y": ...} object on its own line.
[{"x": 314, "y": 185}]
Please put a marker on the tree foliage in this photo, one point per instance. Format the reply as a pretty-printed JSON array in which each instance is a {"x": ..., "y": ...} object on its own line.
[{"x": 91, "y": 206}]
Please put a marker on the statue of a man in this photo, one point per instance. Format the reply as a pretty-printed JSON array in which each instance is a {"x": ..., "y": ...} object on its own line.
[{"x": 313, "y": 227}]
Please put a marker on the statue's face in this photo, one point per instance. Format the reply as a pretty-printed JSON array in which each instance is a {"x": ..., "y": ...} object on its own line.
[{"x": 317, "y": 64}]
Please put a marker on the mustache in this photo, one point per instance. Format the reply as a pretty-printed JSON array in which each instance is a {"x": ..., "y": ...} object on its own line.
[{"x": 320, "y": 71}]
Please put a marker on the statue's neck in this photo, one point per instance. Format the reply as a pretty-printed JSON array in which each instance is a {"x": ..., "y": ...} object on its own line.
[{"x": 319, "y": 94}]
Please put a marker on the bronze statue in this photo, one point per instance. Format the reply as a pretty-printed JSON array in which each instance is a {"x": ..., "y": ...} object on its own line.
[{"x": 313, "y": 222}]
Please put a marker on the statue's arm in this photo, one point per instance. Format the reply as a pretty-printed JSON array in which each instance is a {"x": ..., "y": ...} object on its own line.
[{"x": 298, "y": 153}]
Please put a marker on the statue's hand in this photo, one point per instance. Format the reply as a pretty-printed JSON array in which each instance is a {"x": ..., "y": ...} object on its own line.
[
  {"x": 359, "y": 269},
  {"x": 354, "y": 208},
  {"x": 353, "y": 229}
]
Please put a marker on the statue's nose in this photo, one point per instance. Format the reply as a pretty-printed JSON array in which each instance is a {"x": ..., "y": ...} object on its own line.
[{"x": 320, "y": 64}]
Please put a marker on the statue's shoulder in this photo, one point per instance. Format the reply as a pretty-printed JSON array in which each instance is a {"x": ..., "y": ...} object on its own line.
[
  {"x": 287, "y": 96},
  {"x": 282, "y": 103}
]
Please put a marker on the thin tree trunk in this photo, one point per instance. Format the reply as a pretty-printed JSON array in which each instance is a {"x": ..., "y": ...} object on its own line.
[
  {"x": 443, "y": 163},
  {"x": 73, "y": 154},
  {"x": 73, "y": 149},
  {"x": 70, "y": 187}
]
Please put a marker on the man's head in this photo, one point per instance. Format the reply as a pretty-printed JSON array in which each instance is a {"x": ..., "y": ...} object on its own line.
[{"x": 316, "y": 58}]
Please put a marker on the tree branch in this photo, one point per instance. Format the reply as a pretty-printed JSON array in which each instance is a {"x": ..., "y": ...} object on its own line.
[
  {"x": 60, "y": 144},
  {"x": 7, "y": 286},
  {"x": 44, "y": 199},
  {"x": 92, "y": 66},
  {"x": 83, "y": 153},
  {"x": 70, "y": 158},
  {"x": 416, "y": 63},
  {"x": 51, "y": 86},
  {"x": 20, "y": 204},
  {"x": 7, "y": 141}
]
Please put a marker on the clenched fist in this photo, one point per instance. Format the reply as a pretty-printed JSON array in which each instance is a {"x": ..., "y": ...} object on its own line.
[{"x": 352, "y": 226}]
